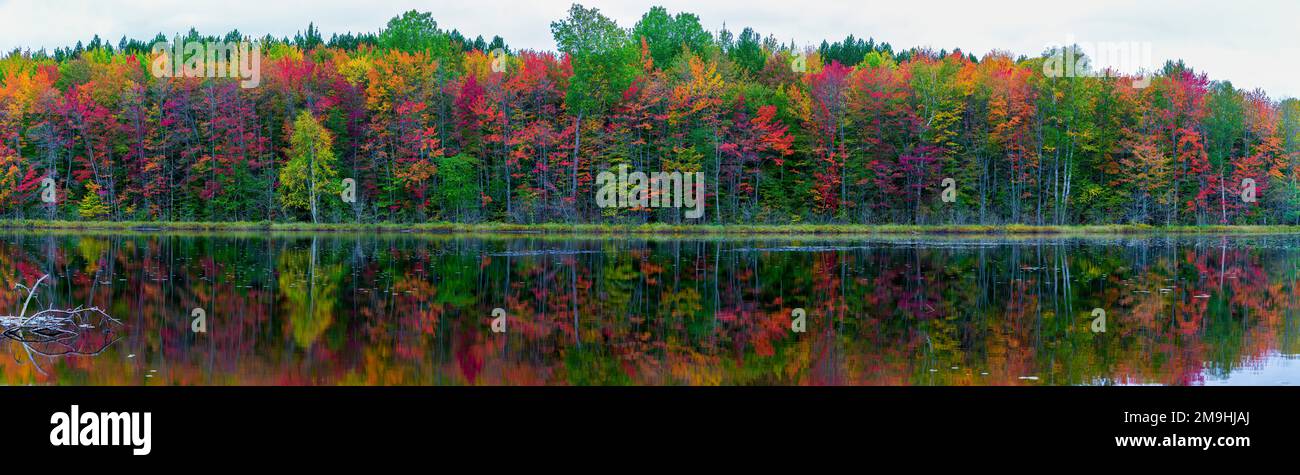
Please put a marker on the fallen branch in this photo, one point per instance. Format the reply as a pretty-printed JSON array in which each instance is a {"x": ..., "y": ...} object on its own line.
[
  {"x": 58, "y": 328},
  {"x": 30, "y": 292}
]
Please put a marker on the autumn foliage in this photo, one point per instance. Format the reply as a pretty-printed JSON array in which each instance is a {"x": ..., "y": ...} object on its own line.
[{"x": 852, "y": 131}]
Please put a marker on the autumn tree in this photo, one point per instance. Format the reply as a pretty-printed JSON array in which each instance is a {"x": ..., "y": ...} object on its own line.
[
  {"x": 603, "y": 59},
  {"x": 842, "y": 131},
  {"x": 309, "y": 172}
]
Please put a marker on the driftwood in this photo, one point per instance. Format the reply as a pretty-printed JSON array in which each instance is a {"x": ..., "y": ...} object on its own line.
[{"x": 59, "y": 332}]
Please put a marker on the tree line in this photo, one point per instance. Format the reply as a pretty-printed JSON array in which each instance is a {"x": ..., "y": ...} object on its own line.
[{"x": 429, "y": 125}]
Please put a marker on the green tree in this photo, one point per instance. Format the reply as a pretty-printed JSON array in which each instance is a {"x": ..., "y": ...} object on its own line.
[
  {"x": 1225, "y": 128},
  {"x": 459, "y": 186},
  {"x": 668, "y": 35},
  {"x": 748, "y": 51},
  {"x": 415, "y": 32},
  {"x": 603, "y": 56},
  {"x": 1290, "y": 130},
  {"x": 604, "y": 64},
  {"x": 310, "y": 170}
]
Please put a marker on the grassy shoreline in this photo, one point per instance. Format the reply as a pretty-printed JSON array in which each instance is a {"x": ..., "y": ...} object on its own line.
[{"x": 634, "y": 229}]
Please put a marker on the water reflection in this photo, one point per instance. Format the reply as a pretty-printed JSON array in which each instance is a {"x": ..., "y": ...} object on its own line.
[{"x": 407, "y": 309}]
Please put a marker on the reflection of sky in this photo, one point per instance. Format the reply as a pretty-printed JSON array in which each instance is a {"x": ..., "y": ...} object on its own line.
[{"x": 1272, "y": 370}]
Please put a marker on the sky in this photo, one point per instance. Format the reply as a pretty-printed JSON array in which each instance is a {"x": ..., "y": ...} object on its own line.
[{"x": 1252, "y": 43}]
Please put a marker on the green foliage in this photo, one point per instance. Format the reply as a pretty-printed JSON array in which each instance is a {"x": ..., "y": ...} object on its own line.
[
  {"x": 668, "y": 35},
  {"x": 430, "y": 124},
  {"x": 603, "y": 57},
  {"x": 413, "y": 32},
  {"x": 748, "y": 52},
  {"x": 458, "y": 190}
]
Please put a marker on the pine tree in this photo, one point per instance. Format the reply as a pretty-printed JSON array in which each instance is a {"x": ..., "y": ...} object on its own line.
[{"x": 91, "y": 207}]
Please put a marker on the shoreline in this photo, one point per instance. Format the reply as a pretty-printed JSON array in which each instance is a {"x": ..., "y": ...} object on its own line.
[{"x": 642, "y": 229}]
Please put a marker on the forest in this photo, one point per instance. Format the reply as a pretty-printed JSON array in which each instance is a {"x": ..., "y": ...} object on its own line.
[{"x": 428, "y": 125}]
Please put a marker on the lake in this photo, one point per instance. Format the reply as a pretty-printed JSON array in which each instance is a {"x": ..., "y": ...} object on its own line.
[{"x": 420, "y": 309}]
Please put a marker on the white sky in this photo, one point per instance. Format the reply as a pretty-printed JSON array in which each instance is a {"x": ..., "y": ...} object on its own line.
[{"x": 1253, "y": 43}]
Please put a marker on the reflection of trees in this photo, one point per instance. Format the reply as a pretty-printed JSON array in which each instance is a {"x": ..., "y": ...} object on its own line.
[
  {"x": 407, "y": 310},
  {"x": 310, "y": 291}
]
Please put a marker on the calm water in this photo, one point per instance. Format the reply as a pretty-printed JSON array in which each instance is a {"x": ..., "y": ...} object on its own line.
[{"x": 408, "y": 309}]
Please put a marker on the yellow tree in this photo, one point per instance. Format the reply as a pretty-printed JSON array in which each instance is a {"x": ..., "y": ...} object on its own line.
[
  {"x": 310, "y": 171},
  {"x": 91, "y": 206}
]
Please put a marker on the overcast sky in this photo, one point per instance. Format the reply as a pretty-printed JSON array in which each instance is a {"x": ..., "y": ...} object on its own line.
[{"x": 1253, "y": 43}]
